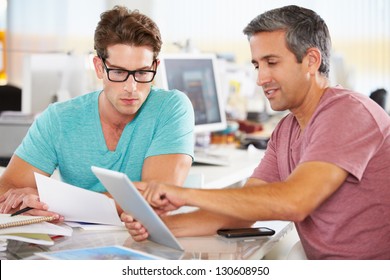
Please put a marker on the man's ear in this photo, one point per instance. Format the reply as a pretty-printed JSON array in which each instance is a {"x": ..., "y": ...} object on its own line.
[
  {"x": 313, "y": 58},
  {"x": 97, "y": 62}
]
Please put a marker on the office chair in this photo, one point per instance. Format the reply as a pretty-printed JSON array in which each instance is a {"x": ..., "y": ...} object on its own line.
[
  {"x": 379, "y": 96},
  {"x": 10, "y": 98}
]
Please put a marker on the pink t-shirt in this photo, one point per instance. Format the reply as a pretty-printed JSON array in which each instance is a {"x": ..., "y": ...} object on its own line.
[{"x": 353, "y": 132}]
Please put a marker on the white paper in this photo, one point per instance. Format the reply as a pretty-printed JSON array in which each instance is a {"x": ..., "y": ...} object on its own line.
[
  {"x": 88, "y": 226},
  {"x": 76, "y": 204}
]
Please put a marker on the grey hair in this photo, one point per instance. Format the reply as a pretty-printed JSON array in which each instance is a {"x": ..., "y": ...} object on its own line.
[{"x": 304, "y": 29}]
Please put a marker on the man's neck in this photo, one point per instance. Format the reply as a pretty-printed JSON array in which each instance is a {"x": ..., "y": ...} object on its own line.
[
  {"x": 110, "y": 116},
  {"x": 304, "y": 113}
]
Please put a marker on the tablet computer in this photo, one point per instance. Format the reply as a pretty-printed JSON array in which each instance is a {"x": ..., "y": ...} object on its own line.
[{"x": 130, "y": 199}]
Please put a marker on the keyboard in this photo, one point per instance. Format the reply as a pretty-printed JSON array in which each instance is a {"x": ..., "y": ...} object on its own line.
[{"x": 210, "y": 158}]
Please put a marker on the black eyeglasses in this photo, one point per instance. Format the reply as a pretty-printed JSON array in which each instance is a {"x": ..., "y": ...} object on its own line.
[{"x": 121, "y": 75}]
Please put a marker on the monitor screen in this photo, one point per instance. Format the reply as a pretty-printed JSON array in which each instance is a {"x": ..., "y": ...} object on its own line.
[{"x": 196, "y": 76}]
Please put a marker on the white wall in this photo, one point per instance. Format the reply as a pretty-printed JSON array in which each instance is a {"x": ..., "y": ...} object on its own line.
[
  {"x": 49, "y": 26},
  {"x": 360, "y": 29}
]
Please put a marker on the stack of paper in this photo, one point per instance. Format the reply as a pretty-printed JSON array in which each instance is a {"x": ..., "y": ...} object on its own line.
[{"x": 36, "y": 238}]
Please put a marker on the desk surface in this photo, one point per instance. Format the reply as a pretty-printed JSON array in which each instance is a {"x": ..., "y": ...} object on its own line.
[{"x": 207, "y": 247}]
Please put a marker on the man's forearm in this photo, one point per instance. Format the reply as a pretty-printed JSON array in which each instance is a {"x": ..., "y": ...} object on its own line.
[{"x": 200, "y": 222}]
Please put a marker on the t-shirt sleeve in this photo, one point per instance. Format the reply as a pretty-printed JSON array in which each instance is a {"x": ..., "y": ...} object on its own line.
[
  {"x": 338, "y": 137},
  {"x": 37, "y": 147},
  {"x": 267, "y": 170},
  {"x": 174, "y": 134}
]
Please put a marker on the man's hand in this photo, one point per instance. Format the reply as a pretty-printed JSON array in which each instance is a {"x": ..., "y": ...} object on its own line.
[
  {"x": 13, "y": 198},
  {"x": 163, "y": 198},
  {"x": 39, "y": 208},
  {"x": 136, "y": 229}
]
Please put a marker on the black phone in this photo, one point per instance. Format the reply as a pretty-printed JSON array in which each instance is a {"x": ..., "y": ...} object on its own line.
[{"x": 245, "y": 232}]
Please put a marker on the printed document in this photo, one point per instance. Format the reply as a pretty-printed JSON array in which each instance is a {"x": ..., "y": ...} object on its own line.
[{"x": 77, "y": 204}]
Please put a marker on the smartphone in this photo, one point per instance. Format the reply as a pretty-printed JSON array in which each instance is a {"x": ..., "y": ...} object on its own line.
[{"x": 245, "y": 232}]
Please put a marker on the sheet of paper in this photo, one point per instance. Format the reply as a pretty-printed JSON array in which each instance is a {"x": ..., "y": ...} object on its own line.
[
  {"x": 89, "y": 226},
  {"x": 77, "y": 204}
]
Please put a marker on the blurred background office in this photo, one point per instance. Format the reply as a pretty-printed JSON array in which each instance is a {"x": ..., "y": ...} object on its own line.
[{"x": 360, "y": 31}]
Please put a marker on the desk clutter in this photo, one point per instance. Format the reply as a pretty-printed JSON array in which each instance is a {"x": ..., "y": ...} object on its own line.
[
  {"x": 255, "y": 130},
  {"x": 242, "y": 133},
  {"x": 86, "y": 240},
  {"x": 38, "y": 230},
  {"x": 31, "y": 229},
  {"x": 9, "y": 221}
]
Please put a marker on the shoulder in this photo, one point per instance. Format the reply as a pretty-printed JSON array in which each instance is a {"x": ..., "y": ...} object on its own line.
[
  {"x": 172, "y": 94},
  {"x": 81, "y": 104},
  {"x": 349, "y": 104},
  {"x": 70, "y": 111},
  {"x": 172, "y": 98},
  {"x": 339, "y": 96},
  {"x": 342, "y": 111}
]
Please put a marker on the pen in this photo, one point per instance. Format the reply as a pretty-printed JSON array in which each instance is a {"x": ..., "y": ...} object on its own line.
[{"x": 22, "y": 211}]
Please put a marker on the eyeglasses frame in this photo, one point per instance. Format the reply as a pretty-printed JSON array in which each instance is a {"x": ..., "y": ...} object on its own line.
[{"x": 129, "y": 72}]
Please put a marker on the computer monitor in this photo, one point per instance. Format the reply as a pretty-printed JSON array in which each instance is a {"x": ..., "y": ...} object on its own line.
[
  {"x": 12, "y": 131},
  {"x": 53, "y": 77},
  {"x": 197, "y": 76}
]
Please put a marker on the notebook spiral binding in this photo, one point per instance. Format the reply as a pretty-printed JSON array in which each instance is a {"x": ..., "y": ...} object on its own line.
[{"x": 26, "y": 222}]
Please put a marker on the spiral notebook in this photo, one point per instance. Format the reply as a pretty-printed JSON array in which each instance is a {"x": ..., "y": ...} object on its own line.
[{"x": 6, "y": 221}]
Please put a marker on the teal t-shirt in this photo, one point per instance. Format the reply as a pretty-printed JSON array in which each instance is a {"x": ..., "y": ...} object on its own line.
[{"x": 69, "y": 136}]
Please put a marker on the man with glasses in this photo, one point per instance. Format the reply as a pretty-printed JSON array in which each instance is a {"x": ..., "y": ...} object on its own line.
[{"x": 129, "y": 126}]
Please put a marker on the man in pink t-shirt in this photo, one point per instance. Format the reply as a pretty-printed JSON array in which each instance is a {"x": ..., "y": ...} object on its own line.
[
  {"x": 353, "y": 222},
  {"x": 327, "y": 164}
]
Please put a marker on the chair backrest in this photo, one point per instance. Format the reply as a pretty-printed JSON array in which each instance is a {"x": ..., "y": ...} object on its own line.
[
  {"x": 10, "y": 98},
  {"x": 379, "y": 96}
]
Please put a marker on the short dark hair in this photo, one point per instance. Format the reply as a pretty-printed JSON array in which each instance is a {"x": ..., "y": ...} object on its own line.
[
  {"x": 304, "y": 29},
  {"x": 122, "y": 26}
]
